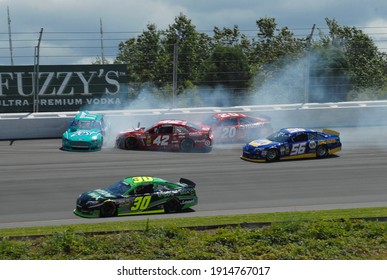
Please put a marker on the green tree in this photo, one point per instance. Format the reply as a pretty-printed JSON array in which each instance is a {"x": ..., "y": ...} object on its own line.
[
  {"x": 142, "y": 55},
  {"x": 128, "y": 54},
  {"x": 228, "y": 65},
  {"x": 343, "y": 64},
  {"x": 273, "y": 49},
  {"x": 192, "y": 49},
  {"x": 275, "y": 62},
  {"x": 227, "y": 36},
  {"x": 328, "y": 74},
  {"x": 273, "y": 45},
  {"x": 366, "y": 66}
]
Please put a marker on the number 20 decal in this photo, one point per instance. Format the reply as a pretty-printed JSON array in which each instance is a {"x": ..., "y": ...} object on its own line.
[
  {"x": 228, "y": 132},
  {"x": 141, "y": 203},
  {"x": 298, "y": 149}
]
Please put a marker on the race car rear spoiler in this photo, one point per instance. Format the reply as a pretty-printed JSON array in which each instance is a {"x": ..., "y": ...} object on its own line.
[
  {"x": 330, "y": 131},
  {"x": 189, "y": 183}
]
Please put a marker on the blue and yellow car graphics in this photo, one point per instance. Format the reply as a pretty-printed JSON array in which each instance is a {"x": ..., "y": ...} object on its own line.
[
  {"x": 137, "y": 195},
  {"x": 293, "y": 143}
]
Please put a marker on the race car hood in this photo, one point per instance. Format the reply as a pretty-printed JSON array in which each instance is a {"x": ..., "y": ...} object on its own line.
[
  {"x": 82, "y": 135},
  {"x": 139, "y": 130},
  {"x": 262, "y": 143},
  {"x": 204, "y": 127},
  {"x": 96, "y": 195}
]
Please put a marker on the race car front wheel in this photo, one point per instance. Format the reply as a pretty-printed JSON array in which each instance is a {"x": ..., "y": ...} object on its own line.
[
  {"x": 322, "y": 151},
  {"x": 108, "y": 210},
  {"x": 272, "y": 155},
  {"x": 172, "y": 206},
  {"x": 130, "y": 143}
]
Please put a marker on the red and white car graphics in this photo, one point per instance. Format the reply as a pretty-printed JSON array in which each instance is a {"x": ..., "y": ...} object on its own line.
[
  {"x": 178, "y": 135},
  {"x": 238, "y": 127}
]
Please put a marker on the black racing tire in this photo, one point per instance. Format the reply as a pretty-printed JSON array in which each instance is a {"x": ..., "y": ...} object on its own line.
[
  {"x": 100, "y": 146},
  {"x": 187, "y": 145},
  {"x": 322, "y": 151},
  {"x": 272, "y": 155},
  {"x": 207, "y": 150},
  {"x": 130, "y": 143},
  {"x": 172, "y": 206},
  {"x": 108, "y": 209}
]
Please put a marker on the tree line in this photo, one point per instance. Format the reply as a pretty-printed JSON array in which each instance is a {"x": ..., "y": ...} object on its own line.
[{"x": 274, "y": 66}]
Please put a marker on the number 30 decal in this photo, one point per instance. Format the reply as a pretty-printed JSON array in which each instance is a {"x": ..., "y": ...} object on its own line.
[
  {"x": 298, "y": 149},
  {"x": 141, "y": 203},
  {"x": 142, "y": 179}
]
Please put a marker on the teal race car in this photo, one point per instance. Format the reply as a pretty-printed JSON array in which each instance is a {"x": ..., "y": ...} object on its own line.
[
  {"x": 137, "y": 195},
  {"x": 85, "y": 133}
]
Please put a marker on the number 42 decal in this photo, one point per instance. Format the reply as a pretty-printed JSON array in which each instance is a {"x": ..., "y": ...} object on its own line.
[
  {"x": 298, "y": 149},
  {"x": 161, "y": 140}
]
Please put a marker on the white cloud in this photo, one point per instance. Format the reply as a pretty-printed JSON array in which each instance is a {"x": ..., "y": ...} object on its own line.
[
  {"x": 377, "y": 30},
  {"x": 74, "y": 19}
]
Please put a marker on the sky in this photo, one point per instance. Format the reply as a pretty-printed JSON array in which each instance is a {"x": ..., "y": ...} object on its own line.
[{"x": 71, "y": 28}]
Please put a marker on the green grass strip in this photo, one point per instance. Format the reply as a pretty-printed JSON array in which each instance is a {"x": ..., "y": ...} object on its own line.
[{"x": 200, "y": 221}]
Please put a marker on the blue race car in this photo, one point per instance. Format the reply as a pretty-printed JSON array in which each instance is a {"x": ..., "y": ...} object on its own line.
[
  {"x": 85, "y": 133},
  {"x": 293, "y": 143}
]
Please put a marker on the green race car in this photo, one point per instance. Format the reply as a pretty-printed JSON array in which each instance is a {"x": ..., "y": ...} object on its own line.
[
  {"x": 137, "y": 195},
  {"x": 85, "y": 133}
]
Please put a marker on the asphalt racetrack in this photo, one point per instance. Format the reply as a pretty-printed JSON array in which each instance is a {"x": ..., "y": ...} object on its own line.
[{"x": 40, "y": 183}]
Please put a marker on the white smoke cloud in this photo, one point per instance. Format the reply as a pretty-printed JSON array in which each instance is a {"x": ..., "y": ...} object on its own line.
[
  {"x": 288, "y": 85},
  {"x": 285, "y": 85}
]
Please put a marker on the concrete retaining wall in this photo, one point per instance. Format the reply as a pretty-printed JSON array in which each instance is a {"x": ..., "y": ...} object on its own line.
[{"x": 313, "y": 115}]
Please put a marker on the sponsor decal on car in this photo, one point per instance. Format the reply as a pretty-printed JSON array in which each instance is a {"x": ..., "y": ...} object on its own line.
[{"x": 257, "y": 143}]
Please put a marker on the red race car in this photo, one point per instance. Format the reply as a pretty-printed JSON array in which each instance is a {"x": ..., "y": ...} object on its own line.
[
  {"x": 173, "y": 135},
  {"x": 238, "y": 127}
]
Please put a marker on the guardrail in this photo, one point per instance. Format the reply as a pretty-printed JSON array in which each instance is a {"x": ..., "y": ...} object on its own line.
[{"x": 313, "y": 115}]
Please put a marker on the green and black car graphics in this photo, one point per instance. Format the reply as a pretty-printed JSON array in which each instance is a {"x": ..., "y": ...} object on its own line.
[{"x": 137, "y": 195}]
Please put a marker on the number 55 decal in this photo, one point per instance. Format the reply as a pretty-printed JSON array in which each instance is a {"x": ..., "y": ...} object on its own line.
[
  {"x": 298, "y": 149},
  {"x": 141, "y": 203}
]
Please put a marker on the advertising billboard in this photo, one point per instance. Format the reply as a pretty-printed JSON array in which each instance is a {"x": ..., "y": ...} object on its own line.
[{"x": 57, "y": 88}]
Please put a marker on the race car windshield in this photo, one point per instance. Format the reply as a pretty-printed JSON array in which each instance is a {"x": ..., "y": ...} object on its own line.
[
  {"x": 84, "y": 124},
  {"x": 194, "y": 126},
  {"x": 279, "y": 136},
  {"x": 118, "y": 188},
  {"x": 211, "y": 121}
]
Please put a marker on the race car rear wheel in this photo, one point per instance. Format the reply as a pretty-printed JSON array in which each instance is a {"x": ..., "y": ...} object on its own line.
[
  {"x": 322, "y": 151},
  {"x": 172, "y": 206},
  {"x": 187, "y": 145},
  {"x": 272, "y": 155},
  {"x": 108, "y": 209},
  {"x": 130, "y": 143},
  {"x": 206, "y": 150}
]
